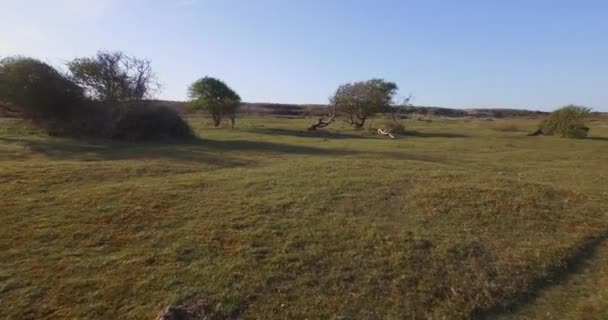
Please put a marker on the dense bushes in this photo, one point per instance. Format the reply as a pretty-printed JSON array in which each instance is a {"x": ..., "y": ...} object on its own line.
[
  {"x": 150, "y": 123},
  {"x": 38, "y": 92},
  {"x": 49, "y": 99},
  {"x": 567, "y": 122}
]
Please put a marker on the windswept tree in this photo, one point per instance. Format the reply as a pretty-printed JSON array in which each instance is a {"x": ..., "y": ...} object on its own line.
[
  {"x": 115, "y": 76},
  {"x": 360, "y": 100},
  {"x": 215, "y": 97}
]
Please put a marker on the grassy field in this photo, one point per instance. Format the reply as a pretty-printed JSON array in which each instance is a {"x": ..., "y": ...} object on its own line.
[{"x": 460, "y": 219}]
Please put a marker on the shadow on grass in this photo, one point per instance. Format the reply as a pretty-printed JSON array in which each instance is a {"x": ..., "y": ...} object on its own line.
[
  {"x": 201, "y": 150},
  {"x": 11, "y": 156},
  {"x": 573, "y": 264},
  {"x": 309, "y": 134},
  {"x": 598, "y": 138},
  {"x": 339, "y": 135},
  {"x": 433, "y": 134}
]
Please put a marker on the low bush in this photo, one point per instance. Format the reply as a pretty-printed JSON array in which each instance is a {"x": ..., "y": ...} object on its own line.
[
  {"x": 394, "y": 127},
  {"x": 123, "y": 122},
  {"x": 567, "y": 122},
  {"x": 150, "y": 123}
]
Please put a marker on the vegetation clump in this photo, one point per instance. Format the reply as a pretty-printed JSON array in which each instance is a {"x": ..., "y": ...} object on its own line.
[
  {"x": 151, "y": 123},
  {"x": 38, "y": 92},
  {"x": 394, "y": 127},
  {"x": 100, "y": 97},
  {"x": 567, "y": 122}
]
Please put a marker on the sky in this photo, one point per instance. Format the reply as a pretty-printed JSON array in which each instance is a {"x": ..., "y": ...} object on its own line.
[{"x": 535, "y": 54}]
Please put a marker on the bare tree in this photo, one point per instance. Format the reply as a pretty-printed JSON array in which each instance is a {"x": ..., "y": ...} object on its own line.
[
  {"x": 142, "y": 81},
  {"x": 115, "y": 76}
]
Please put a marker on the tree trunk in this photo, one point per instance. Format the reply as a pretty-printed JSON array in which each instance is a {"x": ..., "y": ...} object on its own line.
[
  {"x": 323, "y": 121},
  {"x": 217, "y": 119},
  {"x": 359, "y": 122}
]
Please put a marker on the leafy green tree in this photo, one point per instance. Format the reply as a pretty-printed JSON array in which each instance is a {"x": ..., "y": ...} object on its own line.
[
  {"x": 114, "y": 77},
  {"x": 215, "y": 97},
  {"x": 362, "y": 99},
  {"x": 567, "y": 122}
]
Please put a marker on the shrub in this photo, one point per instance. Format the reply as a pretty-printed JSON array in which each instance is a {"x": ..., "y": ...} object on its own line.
[
  {"x": 567, "y": 122},
  {"x": 149, "y": 123},
  {"x": 38, "y": 92},
  {"x": 127, "y": 121},
  {"x": 395, "y": 127}
]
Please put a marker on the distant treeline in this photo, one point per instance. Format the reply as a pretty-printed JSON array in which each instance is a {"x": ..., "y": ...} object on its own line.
[
  {"x": 478, "y": 113},
  {"x": 303, "y": 110}
]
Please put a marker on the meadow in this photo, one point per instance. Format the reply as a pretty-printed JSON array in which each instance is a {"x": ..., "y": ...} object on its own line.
[{"x": 459, "y": 219}]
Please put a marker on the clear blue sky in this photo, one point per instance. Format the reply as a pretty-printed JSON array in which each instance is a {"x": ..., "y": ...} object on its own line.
[{"x": 516, "y": 53}]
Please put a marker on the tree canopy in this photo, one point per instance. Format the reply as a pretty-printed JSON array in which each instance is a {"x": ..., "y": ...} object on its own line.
[
  {"x": 361, "y": 99},
  {"x": 215, "y": 97}
]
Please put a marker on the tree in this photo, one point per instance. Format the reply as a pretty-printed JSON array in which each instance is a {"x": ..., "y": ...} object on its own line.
[
  {"x": 37, "y": 91},
  {"x": 359, "y": 100},
  {"x": 567, "y": 122},
  {"x": 215, "y": 97},
  {"x": 114, "y": 77}
]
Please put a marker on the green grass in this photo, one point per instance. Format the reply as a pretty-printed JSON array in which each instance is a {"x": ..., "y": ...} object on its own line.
[
  {"x": 581, "y": 295},
  {"x": 457, "y": 220}
]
